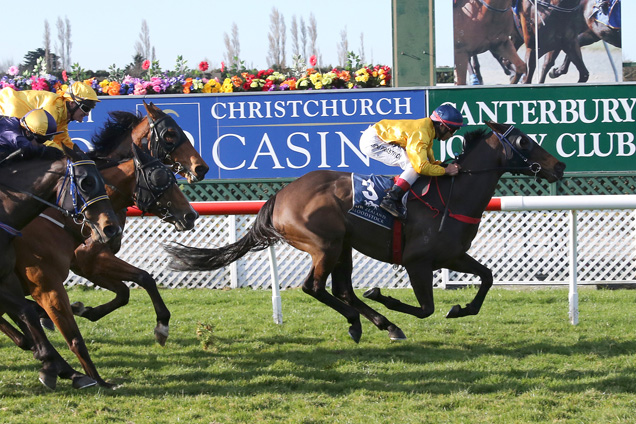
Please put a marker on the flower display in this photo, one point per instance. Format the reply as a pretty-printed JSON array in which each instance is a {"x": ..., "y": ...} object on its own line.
[{"x": 223, "y": 80}]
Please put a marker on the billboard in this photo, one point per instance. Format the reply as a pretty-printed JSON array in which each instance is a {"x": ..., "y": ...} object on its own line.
[
  {"x": 271, "y": 135},
  {"x": 493, "y": 38}
]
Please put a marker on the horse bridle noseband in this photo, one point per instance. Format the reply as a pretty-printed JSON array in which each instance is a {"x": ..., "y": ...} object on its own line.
[
  {"x": 153, "y": 180},
  {"x": 158, "y": 146}
]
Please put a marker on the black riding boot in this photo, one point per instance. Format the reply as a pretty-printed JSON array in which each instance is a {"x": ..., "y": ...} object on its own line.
[{"x": 391, "y": 200}]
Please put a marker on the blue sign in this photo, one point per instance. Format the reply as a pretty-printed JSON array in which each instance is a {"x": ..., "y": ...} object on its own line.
[{"x": 270, "y": 135}]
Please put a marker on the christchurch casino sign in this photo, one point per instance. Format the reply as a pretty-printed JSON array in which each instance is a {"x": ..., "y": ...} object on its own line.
[{"x": 270, "y": 135}]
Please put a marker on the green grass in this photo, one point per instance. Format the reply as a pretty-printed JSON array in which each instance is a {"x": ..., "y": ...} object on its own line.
[{"x": 519, "y": 361}]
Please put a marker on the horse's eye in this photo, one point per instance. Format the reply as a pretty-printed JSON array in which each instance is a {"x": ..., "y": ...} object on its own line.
[{"x": 521, "y": 142}]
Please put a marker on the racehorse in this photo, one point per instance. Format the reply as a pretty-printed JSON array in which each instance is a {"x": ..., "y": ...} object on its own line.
[
  {"x": 311, "y": 215},
  {"x": 600, "y": 20},
  {"x": 481, "y": 26},
  {"x": 27, "y": 188},
  {"x": 51, "y": 246},
  {"x": 47, "y": 249},
  {"x": 558, "y": 31},
  {"x": 166, "y": 141}
]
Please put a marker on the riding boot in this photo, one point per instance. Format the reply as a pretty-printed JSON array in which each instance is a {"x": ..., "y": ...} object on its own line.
[{"x": 391, "y": 200}]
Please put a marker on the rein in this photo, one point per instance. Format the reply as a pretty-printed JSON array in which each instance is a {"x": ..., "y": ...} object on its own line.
[
  {"x": 551, "y": 6},
  {"x": 159, "y": 148},
  {"x": 533, "y": 167}
]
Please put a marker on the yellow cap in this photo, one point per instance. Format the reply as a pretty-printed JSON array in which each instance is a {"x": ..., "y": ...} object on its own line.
[
  {"x": 79, "y": 91},
  {"x": 40, "y": 122}
]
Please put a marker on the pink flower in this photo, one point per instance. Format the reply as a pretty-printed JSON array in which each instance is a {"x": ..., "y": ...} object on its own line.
[
  {"x": 203, "y": 66},
  {"x": 140, "y": 90},
  {"x": 14, "y": 70},
  {"x": 313, "y": 60},
  {"x": 64, "y": 76},
  {"x": 222, "y": 66},
  {"x": 145, "y": 65}
]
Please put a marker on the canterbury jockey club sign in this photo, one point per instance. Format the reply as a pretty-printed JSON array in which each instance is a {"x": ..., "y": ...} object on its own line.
[{"x": 269, "y": 135}]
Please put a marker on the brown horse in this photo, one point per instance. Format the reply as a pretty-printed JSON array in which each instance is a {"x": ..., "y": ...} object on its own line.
[
  {"x": 51, "y": 245},
  {"x": 481, "y": 26},
  {"x": 46, "y": 252},
  {"x": 27, "y": 188},
  {"x": 311, "y": 215},
  {"x": 167, "y": 142},
  {"x": 594, "y": 29},
  {"x": 558, "y": 30}
]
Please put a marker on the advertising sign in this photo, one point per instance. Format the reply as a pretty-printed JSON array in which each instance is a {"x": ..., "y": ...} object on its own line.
[
  {"x": 590, "y": 128},
  {"x": 271, "y": 135}
]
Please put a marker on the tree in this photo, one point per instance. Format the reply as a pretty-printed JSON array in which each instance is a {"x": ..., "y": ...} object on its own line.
[
  {"x": 361, "y": 52},
  {"x": 142, "y": 46},
  {"x": 63, "y": 45},
  {"x": 303, "y": 38},
  {"x": 232, "y": 47},
  {"x": 312, "y": 31},
  {"x": 277, "y": 38},
  {"x": 343, "y": 47},
  {"x": 47, "y": 46},
  {"x": 294, "y": 34}
]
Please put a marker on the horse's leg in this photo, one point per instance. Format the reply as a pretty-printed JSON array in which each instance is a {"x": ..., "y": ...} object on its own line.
[
  {"x": 20, "y": 340},
  {"x": 99, "y": 265},
  {"x": 476, "y": 69},
  {"x": 421, "y": 276},
  {"x": 507, "y": 52},
  {"x": 314, "y": 285},
  {"x": 57, "y": 305},
  {"x": 561, "y": 70},
  {"x": 550, "y": 59},
  {"x": 342, "y": 288},
  {"x": 461, "y": 66},
  {"x": 468, "y": 265},
  {"x": 53, "y": 365},
  {"x": 574, "y": 53}
]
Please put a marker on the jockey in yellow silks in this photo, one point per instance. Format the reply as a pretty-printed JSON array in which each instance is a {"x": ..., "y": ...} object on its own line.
[{"x": 73, "y": 105}]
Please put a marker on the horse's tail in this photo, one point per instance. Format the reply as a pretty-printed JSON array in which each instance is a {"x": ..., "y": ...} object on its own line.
[{"x": 261, "y": 235}]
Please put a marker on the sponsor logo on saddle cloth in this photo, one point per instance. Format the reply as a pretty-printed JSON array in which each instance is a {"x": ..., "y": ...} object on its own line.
[{"x": 368, "y": 191}]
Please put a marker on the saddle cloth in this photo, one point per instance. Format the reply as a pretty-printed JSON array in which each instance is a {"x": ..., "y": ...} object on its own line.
[{"x": 368, "y": 193}]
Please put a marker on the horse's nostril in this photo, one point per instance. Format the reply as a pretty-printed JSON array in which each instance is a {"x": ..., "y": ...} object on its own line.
[
  {"x": 200, "y": 171},
  {"x": 191, "y": 217},
  {"x": 111, "y": 231}
]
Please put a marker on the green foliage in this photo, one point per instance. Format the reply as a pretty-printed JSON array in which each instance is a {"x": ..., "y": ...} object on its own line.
[
  {"x": 353, "y": 62},
  {"x": 78, "y": 73},
  {"x": 518, "y": 361}
]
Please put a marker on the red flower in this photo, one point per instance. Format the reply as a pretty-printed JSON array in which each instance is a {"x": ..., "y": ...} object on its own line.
[
  {"x": 203, "y": 66},
  {"x": 145, "y": 65},
  {"x": 222, "y": 66},
  {"x": 313, "y": 60},
  {"x": 64, "y": 76}
]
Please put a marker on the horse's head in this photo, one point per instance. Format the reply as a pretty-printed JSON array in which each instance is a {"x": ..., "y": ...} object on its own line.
[
  {"x": 168, "y": 143},
  {"x": 521, "y": 154},
  {"x": 82, "y": 193},
  {"x": 157, "y": 192}
]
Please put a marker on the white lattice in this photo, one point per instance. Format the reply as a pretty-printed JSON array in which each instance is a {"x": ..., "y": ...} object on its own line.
[{"x": 519, "y": 247}]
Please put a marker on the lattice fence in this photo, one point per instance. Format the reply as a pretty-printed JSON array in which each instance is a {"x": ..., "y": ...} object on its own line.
[{"x": 519, "y": 247}]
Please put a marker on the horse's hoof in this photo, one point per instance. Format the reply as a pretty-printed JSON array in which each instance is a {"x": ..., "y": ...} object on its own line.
[
  {"x": 372, "y": 294},
  {"x": 47, "y": 324},
  {"x": 78, "y": 308},
  {"x": 454, "y": 312},
  {"x": 83, "y": 381},
  {"x": 161, "y": 334},
  {"x": 396, "y": 334},
  {"x": 355, "y": 334},
  {"x": 553, "y": 73},
  {"x": 49, "y": 381}
]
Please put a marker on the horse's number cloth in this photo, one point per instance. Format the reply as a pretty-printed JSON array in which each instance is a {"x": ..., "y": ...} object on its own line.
[{"x": 368, "y": 193}]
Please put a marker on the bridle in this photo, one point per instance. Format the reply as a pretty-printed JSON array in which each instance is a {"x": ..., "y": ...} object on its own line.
[
  {"x": 159, "y": 148},
  {"x": 510, "y": 152},
  {"x": 153, "y": 179}
]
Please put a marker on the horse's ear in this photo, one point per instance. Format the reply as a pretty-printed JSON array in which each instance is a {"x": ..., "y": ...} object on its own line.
[{"x": 500, "y": 128}]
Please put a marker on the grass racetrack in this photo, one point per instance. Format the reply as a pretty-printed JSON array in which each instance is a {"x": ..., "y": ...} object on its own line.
[{"x": 519, "y": 361}]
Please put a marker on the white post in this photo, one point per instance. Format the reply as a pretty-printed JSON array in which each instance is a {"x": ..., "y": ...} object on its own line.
[
  {"x": 574, "y": 295},
  {"x": 276, "y": 302},
  {"x": 445, "y": 278},
  {"x": 234, "y": 283}
]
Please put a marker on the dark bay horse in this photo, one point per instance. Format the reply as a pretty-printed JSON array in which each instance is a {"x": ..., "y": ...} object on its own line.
[
  {"x": 558, "y": 30},
  {"x": 311, "y": 215},
  {"x": 51, "y": 245},
  {"x": 166, "y": 141},
  {"x": 481, "y": 26},
  {"x": 595, "y": 29},
  {"x": 27, "y": 188}
]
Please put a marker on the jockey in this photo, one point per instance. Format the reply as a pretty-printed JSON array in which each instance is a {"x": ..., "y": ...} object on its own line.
[
  {"x": 28, "y": 133},
  {"x": 408, "y": 144},
  {"x": 73, "y": 105}
]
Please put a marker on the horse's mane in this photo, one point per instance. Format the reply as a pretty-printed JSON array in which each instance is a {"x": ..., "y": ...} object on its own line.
[
  {"x": 471, "y": 139},
  {"x": 109, "y": 136}
]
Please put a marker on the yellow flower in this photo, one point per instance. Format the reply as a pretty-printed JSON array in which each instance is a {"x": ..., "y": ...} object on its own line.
[
  {"x": 318, "y": 85},
  {"x": 212, "y": 86},
  {"x": 227, "y": 86}
]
